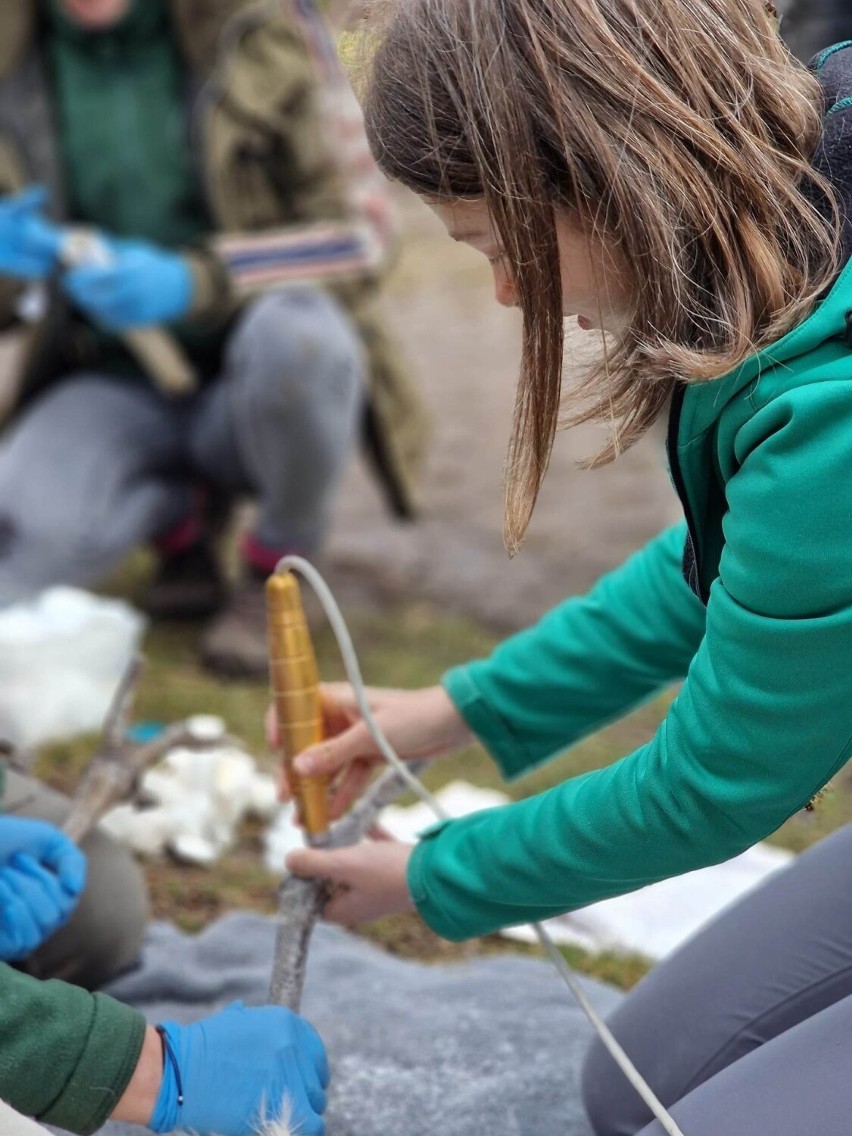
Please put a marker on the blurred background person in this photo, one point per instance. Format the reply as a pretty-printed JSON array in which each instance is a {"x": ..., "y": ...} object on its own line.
[{"x": 217, "y": 151}]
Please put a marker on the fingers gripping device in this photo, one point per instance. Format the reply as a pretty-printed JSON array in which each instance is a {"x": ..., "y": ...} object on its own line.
[{"x": 299, "y": 710}]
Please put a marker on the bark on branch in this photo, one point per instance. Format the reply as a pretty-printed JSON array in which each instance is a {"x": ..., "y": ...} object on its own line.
[
  {"x": 118, "y": 763},
  {"x": 300, "y": 902}
]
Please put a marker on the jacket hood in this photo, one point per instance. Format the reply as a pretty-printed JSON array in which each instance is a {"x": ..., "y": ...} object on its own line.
[
  {"x": 704, "y": 401},
  {"x": 834, "y": 155}
]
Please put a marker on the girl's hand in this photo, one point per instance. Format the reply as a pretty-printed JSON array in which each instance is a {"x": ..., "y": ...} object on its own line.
[
  {"x": 419, "y": 724},
  {"x": 368, "y": 880}
]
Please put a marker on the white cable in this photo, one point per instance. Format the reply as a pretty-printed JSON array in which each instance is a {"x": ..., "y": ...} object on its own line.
[{"x": 353, "y": 673}]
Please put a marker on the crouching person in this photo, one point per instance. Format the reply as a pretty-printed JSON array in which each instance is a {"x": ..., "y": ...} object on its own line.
[
  {"x": 237, "y": 206},
  {"x": 75, "y": 1058}
]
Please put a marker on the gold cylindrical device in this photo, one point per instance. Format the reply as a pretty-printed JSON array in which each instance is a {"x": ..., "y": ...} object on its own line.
[{"x": 295, "y": 690}]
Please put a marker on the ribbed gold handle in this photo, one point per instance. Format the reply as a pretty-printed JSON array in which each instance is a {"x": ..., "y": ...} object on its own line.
[{"x": 295, "y": 690}]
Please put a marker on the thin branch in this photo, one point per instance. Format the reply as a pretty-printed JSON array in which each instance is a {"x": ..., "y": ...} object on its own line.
[
  {"x": 112, "y": 777},
  {"x": 117, "y": 721},
  {"x": 300, "y": 901},
  {"x": 118, "y": 763}
]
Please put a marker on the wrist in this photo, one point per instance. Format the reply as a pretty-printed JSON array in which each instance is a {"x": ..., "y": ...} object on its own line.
[
  {"x": 452, "y": 727},
  {"x": 407, "y": 901},
  {"x": 139, "y": 1099}
]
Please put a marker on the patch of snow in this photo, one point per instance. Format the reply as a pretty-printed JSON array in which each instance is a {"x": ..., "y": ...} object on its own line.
[{"x": 61, "y": 657}]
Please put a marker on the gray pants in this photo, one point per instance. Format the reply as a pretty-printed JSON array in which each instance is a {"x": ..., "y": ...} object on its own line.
[
  {"x": 104, "y": 934},
  {"x": 747, "y": 1029},
  {"x": 99, "y": 464}
]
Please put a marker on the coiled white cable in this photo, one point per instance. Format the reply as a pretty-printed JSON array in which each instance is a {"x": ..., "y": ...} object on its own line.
[{"x": 353, "y": 673}]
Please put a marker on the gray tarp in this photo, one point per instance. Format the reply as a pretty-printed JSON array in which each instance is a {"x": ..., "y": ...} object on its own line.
[{"x": 488, "y": 1047}]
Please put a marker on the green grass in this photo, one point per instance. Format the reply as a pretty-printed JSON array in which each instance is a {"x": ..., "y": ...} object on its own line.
[{"x": 406, "y": 646}]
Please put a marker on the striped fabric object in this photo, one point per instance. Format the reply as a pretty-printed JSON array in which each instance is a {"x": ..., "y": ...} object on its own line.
[{"x": 328, "y": 251}]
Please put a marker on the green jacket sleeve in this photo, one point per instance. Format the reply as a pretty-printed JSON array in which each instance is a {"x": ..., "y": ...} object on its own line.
[
  {"x": 761, "y": 723},
  {"x": 66, "y": 1056},
  {"x": 586, "y": 662}
]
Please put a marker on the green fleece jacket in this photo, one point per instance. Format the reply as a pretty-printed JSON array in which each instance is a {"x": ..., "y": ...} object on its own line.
[
  {"x": 762, "y": 459},
  {"x": 66, "y": 1055}
]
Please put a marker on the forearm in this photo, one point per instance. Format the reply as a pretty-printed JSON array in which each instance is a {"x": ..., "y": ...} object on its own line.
[
  {"x": 586, "y": 662},
  {"x": 94, "y": 1043},
  {"x": 747, "y": 743}
]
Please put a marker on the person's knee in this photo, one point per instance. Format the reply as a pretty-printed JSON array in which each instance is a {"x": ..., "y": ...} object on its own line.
[
  {"x": 301, "y": 346},
  {"x": 104, "y": 936},
  {"x": 35, "y": 545},
  {"x": 120, "y": 908},
  {"x": 605, "y": 1092},
  {"x": 41, "y": 545}
]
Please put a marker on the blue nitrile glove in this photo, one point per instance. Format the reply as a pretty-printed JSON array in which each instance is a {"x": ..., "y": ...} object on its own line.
[
  {"x": 29, "y": 244},
  {"x": 239, "y": 1067},
  {"x": 142, "y": 285},
  {"x": 42, "y": 875}
]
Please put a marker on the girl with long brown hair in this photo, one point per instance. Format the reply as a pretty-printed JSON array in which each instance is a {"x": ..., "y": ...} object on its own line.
[{"x": 665, "y": 171}]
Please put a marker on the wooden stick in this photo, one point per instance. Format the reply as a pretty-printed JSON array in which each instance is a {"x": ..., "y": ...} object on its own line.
[
  {"x": 114, "y": 771},
  {"x": 300, "y": 901}
]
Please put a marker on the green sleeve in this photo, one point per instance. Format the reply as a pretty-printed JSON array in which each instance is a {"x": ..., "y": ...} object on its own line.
[
  {"x": 761, "y": 723},
  {"x": 66, "y": 1056},
  {"x": 586, "y": 662}
]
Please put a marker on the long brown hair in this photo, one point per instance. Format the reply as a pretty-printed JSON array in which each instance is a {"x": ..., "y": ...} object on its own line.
[{"x": 680, "y": 132}]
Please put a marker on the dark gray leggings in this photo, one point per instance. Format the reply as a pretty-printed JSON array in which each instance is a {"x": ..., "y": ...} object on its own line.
[{"x": 747, "y": 1030}]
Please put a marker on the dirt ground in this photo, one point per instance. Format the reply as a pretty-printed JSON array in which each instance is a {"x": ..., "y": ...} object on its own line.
[{"x": 465, "y": 351}]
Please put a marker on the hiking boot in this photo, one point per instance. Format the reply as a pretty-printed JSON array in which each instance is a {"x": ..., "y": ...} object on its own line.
[
  {"x": 188, "y": 585},
  {"x": 236, "y": 643}
]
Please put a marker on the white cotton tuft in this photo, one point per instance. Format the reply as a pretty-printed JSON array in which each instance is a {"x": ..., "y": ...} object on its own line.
[
  {"x": 195, "y": 799},
  {"x": 276, "y": 1128},
  {"x": 280, "y": 1127},
  {"x": 264, "y": 1128}
]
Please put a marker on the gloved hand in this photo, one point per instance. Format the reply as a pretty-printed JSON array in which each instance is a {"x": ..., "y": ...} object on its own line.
[
  {"x": 29, "y": 244},
  {"x": 42, "y": 875},
  {"x": 241, "y": 1066},
  {"x": 142, "y": 285}
]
